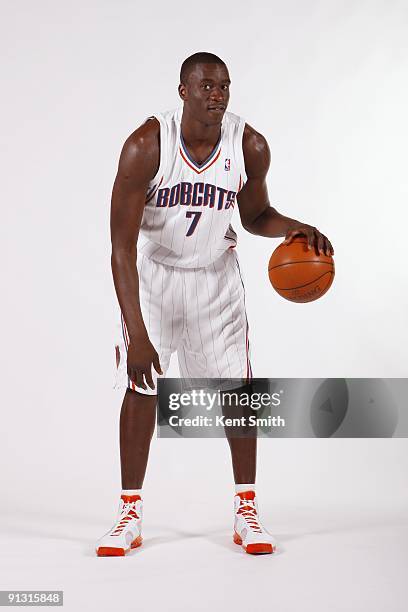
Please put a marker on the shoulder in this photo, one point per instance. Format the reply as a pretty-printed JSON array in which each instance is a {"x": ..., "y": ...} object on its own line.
[
  {"x": 257, "y": 155},
  {"x": 145, "y": 138},
  {"x": 141, "y": 149}
]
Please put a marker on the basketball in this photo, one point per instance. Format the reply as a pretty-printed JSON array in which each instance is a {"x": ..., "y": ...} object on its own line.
[{"x": 298, "y": 274}]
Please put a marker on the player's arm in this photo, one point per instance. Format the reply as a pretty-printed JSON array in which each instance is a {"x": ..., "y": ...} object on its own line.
[
  {"x": 138, "y": 164},
  {"x": 257, "y": 215}
]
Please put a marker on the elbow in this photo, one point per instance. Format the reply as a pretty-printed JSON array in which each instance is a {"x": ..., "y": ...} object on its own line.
[
  {"x": 248, "y": 227},
  {"x": 251, "y": 225}
]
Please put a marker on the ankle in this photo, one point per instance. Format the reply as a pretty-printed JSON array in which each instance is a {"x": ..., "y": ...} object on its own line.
[
  {"x": 131, "y": 492},
  {"x": 243, "y": 488}
]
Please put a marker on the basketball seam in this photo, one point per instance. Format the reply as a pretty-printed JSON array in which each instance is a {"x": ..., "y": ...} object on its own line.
[
  {"x": 325, "y": 263},
  {"x": 301, "y": 286}
]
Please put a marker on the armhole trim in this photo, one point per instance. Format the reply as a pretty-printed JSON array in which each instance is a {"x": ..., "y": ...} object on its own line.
[
  {"x": 163, "y": 146},
  {"x": 240, "y": 137}
]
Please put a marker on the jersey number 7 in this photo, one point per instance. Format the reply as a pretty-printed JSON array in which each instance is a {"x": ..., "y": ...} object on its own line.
[{"x": 196, "y": 217}]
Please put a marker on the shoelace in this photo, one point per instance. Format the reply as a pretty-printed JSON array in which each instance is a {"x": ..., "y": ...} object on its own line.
[
  {"x": 128, "y": 513},
  {"x": 248, "y": 510}
]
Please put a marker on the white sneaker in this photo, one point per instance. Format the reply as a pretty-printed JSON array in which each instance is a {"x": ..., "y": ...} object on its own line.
[
  {"x": 248, "y": 530},
  {"x": 126, "y": 533}
]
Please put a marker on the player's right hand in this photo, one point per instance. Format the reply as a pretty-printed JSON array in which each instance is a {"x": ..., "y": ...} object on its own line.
[{"x": 140, "y": 358}]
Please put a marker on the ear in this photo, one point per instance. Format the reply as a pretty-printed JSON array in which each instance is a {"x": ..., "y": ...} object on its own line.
[{"x": 182, "y": 91}]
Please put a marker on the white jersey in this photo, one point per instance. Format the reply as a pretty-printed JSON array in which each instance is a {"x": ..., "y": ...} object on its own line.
[{"x": 187, "y": 217}]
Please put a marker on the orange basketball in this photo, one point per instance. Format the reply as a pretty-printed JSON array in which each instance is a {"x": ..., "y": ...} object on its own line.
[{"x": 298, "y": 274}]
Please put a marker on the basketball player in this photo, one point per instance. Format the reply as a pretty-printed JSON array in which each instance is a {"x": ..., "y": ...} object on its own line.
[{"x": 177, "y": 278}]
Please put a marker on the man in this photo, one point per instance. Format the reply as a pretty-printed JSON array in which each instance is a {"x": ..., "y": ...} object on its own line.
[{"x": 180, "y": 176}]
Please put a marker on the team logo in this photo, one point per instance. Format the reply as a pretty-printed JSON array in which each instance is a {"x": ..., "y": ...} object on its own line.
[{"x": 227, "y": 165}]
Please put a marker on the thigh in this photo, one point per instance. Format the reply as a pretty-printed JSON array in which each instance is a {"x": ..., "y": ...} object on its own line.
[
  {"x": 159, "y": 302},
  {"x": 215, "y": 342}
]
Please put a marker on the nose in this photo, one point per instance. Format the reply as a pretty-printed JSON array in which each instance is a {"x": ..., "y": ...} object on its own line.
[{"x": 217, "y": 95}]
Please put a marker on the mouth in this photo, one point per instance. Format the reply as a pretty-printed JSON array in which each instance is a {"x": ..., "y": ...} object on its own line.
[{"x": 217, "y": 108}]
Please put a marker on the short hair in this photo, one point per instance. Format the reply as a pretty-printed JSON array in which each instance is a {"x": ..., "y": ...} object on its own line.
[{"x": 202, "y": 57}]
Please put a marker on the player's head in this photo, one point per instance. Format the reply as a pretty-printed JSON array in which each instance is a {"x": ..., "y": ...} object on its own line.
[{"x": 204, "y": 87}]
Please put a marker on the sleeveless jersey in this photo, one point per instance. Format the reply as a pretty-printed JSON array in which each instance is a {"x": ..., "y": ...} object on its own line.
[{"x": 187, "y": 216}]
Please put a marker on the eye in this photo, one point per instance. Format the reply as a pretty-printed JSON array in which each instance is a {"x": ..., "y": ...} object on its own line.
[
  {"x": 207, "y": 87},
  {"x": 225, "y": 87}
]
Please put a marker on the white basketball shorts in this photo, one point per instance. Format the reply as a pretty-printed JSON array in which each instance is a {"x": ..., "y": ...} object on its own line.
[{"x": 198, "y": 312}]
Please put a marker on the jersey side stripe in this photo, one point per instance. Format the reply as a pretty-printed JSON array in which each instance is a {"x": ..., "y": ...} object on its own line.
[
  {"x": 249, "y": 369},
  {"x": 222, "y": 320},
  {"x": 153, "y": 191}
]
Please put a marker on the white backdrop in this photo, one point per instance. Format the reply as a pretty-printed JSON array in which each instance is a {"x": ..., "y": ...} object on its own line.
[{"x": 325, "y": 82}]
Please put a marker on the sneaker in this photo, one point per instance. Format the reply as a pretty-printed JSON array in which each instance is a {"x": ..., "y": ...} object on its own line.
[
  {"x": 126, "y": 533},
  {"x": 248, "y": 530}
]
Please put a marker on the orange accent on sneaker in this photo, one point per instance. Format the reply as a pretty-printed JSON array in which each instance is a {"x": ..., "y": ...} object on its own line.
[
  {"x": 132, "y": 514},
  {"x": 111, "y": 551},
  {"x": 259, "y": 549},
  {"x": 248, "y": 511},
  {"x": 254, "y": 549},
  {"x": 108, "y": 551},
  {"x": 246, "y": 494},
  {"x": 136, "y": 542},
  {"x": 130, "y": 498}
]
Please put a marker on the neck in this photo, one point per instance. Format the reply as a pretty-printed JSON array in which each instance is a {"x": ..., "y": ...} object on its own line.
[{"x": 195, "y": 132}]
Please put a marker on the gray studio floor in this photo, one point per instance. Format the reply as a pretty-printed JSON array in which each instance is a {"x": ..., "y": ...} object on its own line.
[{"x": 328, "y": 559}]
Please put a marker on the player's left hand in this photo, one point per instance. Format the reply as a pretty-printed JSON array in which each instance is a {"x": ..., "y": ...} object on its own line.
[{"x": 314, "y": 239}]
